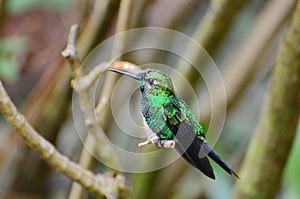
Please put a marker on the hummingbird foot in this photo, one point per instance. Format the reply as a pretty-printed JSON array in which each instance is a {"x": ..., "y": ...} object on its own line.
[
  {"x": 166, "y": 144},
  {"x": 156, "y": 141}
]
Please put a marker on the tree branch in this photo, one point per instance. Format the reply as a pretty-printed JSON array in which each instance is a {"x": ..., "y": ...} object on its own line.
[
  {"x": 270, "y": 146},
  {"x": 100, "y": 184}
]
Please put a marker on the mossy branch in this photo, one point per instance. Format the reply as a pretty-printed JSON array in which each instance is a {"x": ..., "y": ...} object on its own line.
[
  {"x": 270, "y": 146},
  {"x": 216, "y": 23}
]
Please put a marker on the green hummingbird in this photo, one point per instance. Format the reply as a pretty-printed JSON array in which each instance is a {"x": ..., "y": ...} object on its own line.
[{"x": 172, "y": 121}]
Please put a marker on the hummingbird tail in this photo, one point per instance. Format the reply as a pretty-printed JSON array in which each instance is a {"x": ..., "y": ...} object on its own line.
[
  {"x": 195, "y": 151},
  {"x": 213, "y": 155},
  {"x": 191, "y": 154}
]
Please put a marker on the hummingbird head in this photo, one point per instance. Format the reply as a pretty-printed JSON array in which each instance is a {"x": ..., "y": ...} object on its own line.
[{"x": 151, "y": 81}]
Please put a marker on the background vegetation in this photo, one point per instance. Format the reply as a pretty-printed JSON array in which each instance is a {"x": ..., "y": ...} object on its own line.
[{"x": 254, "y": 43}]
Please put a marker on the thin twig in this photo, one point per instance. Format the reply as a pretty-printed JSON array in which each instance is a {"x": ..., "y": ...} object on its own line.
[
  {"x": 94, "y": 74},
  {"x": 81, "y": 85},
  {"x": 70, "y": 52},
  {"x": 92, "y": 26},
  {"x": 95, "y": 132}
]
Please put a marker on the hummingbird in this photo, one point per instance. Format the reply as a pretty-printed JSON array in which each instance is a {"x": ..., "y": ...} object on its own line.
[{"x": 172, "y": 121}]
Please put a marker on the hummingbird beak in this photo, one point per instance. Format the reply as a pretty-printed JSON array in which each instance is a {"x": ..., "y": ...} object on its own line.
[{"x": 124, "y": 73}]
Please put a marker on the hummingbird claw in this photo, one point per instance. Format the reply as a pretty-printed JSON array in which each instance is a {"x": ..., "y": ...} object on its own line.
[
  {"x": 144, "y": 143},
  {"x": 162, "y": 143},
  {"x": 158, "y": 142}
]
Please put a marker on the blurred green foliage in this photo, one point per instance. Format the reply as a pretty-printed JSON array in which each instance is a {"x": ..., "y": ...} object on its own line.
[
  {"x": 15, "y": 6},
  {"x": 9, "y": 49},
  {"x": 292, "y": 175}
]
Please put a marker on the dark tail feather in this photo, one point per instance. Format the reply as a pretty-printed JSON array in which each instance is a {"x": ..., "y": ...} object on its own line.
[
  {"x": 195, "y": 151},
  {"x": 191, "y": 154},
  {"x": 213, "y": 155}
]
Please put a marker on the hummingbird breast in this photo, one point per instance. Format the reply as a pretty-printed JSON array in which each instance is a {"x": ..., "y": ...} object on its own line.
[{"x": 152, "y": 110}]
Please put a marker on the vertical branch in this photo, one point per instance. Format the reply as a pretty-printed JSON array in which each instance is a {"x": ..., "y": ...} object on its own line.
[
  {"x": 122, "y": 25},
  {"x": 209, "y": 33},
  {"x": 92, "y": 26},
  {"x": 95, "y": 21},
  {"x": 216, "y": 23},
  {"x": 81, "y": 85},
  {"x": 70, "y": 52},
  {"x": 102, "y": 110},
  {"x": 269, "y": 148},
  {"x": 103, "y": 106}
]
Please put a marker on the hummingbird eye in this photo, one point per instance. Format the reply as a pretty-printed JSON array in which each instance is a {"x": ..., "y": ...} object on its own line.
[{"x": 151, "y": 81}]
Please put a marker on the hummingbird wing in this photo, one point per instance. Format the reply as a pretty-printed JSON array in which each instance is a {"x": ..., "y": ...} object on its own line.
[
  {"x": 187, "y": 143},
  {"x": 192, "y": 148}
]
